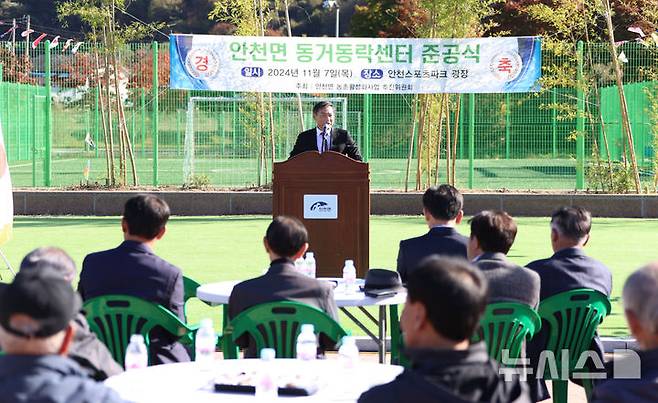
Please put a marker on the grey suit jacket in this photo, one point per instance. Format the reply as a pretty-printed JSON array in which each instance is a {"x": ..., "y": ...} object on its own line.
[
  {"x": 508, "y": 282},
  {"x": 282, "y": 282}
]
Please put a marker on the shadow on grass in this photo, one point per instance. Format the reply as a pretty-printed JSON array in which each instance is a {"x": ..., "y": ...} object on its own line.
[{"x": 42, "y": 222}]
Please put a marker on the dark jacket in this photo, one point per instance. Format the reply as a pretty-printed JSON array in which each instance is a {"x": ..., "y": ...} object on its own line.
[
  {"x": 282, "y": 282},
  {"x": 449, "y": 376},
  {"x": 507, "y": 281},
  {"x": 568, "y": 269},
  {"x": 90, "y": 353},
  {"x": 49, "y": 379},
  {"x": 133, "y": 269},
  {"x": 444, "y": 241},
  {"x": 643, "y": 390},
  {"x": 341, "y": 142}
]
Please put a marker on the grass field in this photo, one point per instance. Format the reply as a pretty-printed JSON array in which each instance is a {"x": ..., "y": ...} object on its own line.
[
  {"x": 212, "y": 249},
  {"x": 389, "y": 173}
]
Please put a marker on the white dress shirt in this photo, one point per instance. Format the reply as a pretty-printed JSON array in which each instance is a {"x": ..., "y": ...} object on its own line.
[{"x": 319, "y": 139}]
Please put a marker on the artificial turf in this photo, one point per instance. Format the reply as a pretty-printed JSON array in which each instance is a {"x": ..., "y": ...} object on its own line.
[{"x": 212, "y": 249}]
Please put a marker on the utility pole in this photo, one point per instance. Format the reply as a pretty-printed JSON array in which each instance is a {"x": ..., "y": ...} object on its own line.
[
  {"x": 13, "y": 37},
  {"x": 27, "y": 42}
]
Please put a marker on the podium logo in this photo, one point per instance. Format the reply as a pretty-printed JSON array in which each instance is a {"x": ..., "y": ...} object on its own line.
[{"x": 320, "y": 207}]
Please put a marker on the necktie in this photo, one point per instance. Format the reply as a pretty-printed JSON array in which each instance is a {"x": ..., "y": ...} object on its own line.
[{"x": 325, "y": 146}]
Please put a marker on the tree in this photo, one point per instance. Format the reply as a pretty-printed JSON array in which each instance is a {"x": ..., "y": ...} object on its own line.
[{"x": 388, "y": 18}]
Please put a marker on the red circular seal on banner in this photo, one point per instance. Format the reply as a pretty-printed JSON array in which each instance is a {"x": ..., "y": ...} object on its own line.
[
  {"x": 506, "y": 65},
  {"x": 202, "y": 63}
]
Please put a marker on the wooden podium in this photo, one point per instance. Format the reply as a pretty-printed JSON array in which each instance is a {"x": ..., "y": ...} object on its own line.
[{"x": 330, "y": 193}]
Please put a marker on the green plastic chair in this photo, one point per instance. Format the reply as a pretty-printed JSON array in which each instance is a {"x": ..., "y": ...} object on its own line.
[
  {"x": 572, "y": 319},
  {"x": 397, "y": 342},
  {"x": 114, "y": 318},
  {"x": 189, "y": 291},
  {"x": 276, "y": 325},
  {"x": 505, "y": 326}
]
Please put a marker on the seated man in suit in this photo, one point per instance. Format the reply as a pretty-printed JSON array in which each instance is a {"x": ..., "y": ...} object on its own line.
[
  {"x": 132, "y": 268},
  {"x": 492, "y": 236},
  {"x": 325, "y": 137},
  {"x": 36, "y": 329},
  {"x": 640, "y": 296},
  {"x": 445, "y": 300},
  {"x": 285, "y": 241},
  {"x": 442, "y": 208},
  {"x": 89, "y": 352},
  {"x": 569, "y": 268}
]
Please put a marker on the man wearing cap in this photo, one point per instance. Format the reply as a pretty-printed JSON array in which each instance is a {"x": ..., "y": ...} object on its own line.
[
  {"x": 89, "y": 352},
  {"x": 36, "y": 310}
]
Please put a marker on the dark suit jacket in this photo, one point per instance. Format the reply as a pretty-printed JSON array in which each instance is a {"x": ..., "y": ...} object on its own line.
[
  {"x": 566, "y": 270},
  {"x": 282, "y": 282},
  {"x": 642, "y": 390},
  {"x": 133, "y": 269},
  {"x": 341, "y": 142},
  {"x": 444, "y": 241},
  {"x": 508, "y": 282},
  {"x": 449, "y": 376}
]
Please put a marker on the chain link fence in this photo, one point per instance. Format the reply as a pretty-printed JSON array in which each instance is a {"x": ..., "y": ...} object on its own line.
[{"x": 53, "y": 128}]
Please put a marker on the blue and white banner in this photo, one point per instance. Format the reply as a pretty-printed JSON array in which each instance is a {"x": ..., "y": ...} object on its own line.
[{"x": 355, "y": 65}]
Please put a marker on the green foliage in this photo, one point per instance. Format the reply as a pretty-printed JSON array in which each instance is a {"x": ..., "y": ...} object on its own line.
[
  {"x": 241, "y": 13},
  {"x": 197, "y": 182},
  {"x": 600, "y": 177}
]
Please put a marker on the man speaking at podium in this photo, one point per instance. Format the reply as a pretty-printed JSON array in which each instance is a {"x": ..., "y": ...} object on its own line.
[{"x": 325, "y": 137}]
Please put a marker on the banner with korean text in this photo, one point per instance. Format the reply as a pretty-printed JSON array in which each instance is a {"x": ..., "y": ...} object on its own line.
[
  {"x": 6, "y": 198},
  {"x": 355, "y": 65}
]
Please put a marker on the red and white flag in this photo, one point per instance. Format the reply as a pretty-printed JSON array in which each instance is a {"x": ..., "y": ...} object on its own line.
[{"x": 6, "y": 198}]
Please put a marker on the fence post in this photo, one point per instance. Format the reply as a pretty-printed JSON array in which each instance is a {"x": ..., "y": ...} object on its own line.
[
  {"x": 97, "y": 117},
  {"x": 154, "y": 124},
  {"x": 507, "y": 125},
  {"x": 471, "y": 139},
  {"x": 580, "y": 121},
  {"x": 1, "y": 72},
  {"x": 554, "y": 121},
  {"x": 143, "y": 133},
  {"x": 367, "y": 126},
  {"x": 461, "y": 128},
  {"x": 47, "y": 170}
]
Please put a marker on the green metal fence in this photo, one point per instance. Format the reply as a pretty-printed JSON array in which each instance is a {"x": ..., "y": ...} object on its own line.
[{"x": 49, "y": 103}]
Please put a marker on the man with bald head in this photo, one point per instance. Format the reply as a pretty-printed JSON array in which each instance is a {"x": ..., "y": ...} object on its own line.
[{"x": 640, "y": 298}]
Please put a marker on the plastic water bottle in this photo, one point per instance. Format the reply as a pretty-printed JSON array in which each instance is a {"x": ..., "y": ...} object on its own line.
[
  {"x": 266, "y": 387},
  {"x": 349, "y": 276},
  {"x": 307, "y": 343},
  {"x": 137, "y": 355},
  {"x": 310, "y": 264},
  {"x": 204, "y": 346},
  {"x": 348, "y": 352},
  {"x": 300, "y": 265}
]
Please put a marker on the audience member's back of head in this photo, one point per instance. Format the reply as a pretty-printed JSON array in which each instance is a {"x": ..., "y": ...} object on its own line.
[
  {"x": 640, "y": 296},
  {"x": 453, "y": 292},
  {"x": 286, "y": 236},
  {"x": 443, "y": 202},
  {"x": 146, "y": 215},
  {"x": 572, "y": 222},
  {"x": 494, "y": 230},
  {"x": 50, "y": 257}
]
